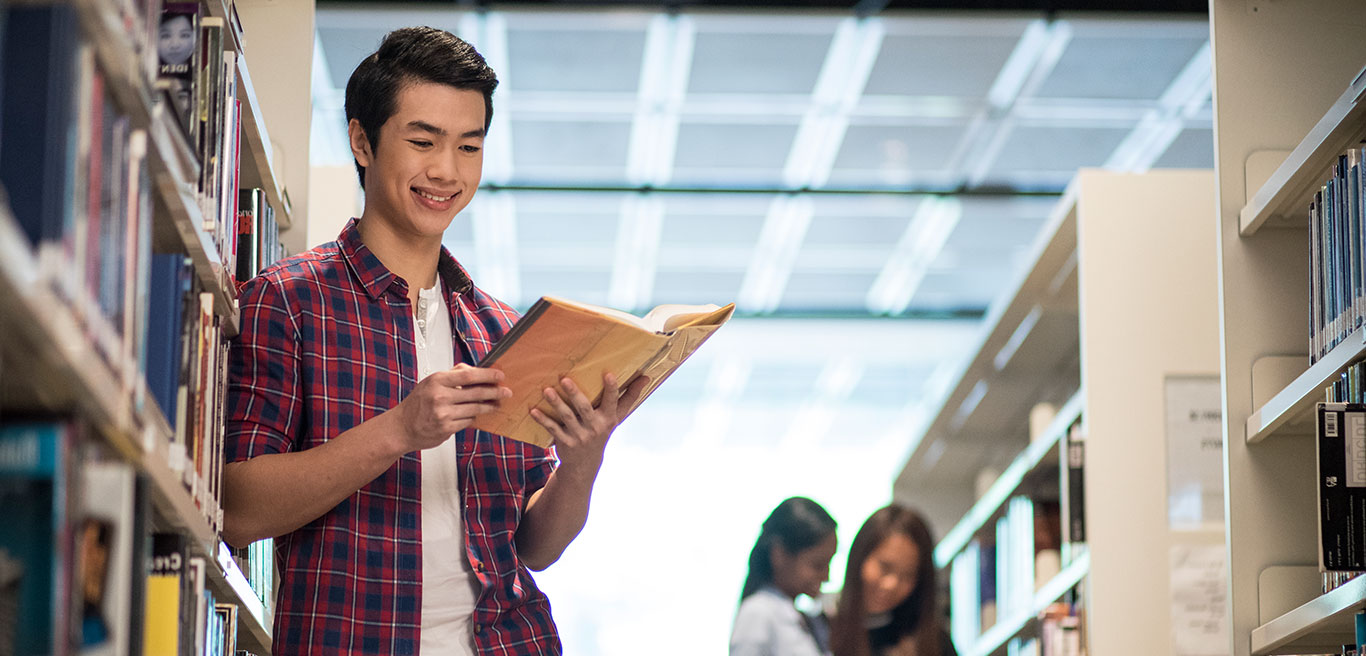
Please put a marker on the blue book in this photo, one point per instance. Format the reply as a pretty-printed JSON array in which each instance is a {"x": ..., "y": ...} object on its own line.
[
  {"x": 39, "y": 117},
  {"x": 170, "y": 282},
  {"x": 35, "y": 494}
]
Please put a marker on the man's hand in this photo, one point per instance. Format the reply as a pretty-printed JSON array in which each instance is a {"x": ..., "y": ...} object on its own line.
[
  {"x": 445, "y": 403},
  {"x": 580, "y": 430}
]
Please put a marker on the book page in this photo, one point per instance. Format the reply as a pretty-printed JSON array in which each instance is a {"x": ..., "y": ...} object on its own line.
[
  {"x": 662, "y": 319},
  {"x": 671, "y": 317}
]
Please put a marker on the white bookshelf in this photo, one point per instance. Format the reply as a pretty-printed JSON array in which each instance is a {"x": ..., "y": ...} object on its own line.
[
  {"x": 1033, "y": 329},
  {"x": 1037, "y": 454},
  {"x": 1125, "y": 275},
  {"x": 994, "y": 640},
  {"x": 1288, "y": 100}
]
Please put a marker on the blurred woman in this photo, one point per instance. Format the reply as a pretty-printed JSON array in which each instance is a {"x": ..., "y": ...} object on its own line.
[
  {"x": 889, "y": 605},
  {"x": 790, "y": 558}
]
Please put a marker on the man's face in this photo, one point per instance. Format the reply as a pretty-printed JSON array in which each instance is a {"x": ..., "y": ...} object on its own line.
[{"x": 429, "y": 159}]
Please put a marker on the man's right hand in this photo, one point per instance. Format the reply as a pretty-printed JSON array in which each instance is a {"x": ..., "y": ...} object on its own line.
[{"x": 446, "y": 403}]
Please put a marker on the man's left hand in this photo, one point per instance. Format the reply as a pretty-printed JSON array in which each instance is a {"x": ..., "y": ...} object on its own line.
[{"x": 580, "y": 430}]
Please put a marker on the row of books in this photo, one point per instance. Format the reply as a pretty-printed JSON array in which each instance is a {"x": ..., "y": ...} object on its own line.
[
  {"x": 183, "y": 617},
  {"x": 77, "y": 179},
  {"x": 81, "y": 571},
  {"x": 257, "y": 562},
  {"x": 997, "y": 574},
  {"x": 198, "y": 80},
  {"x": 1337, "y": 255}
]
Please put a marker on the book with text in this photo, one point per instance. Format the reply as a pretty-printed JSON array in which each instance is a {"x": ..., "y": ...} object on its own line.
[{"x": 558, "y": 338}]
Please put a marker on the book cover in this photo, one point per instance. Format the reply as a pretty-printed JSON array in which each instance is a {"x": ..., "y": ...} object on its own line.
[
  {"x": 165, "y": 587},
  {"x": 177, "y": 60},
  {"x": 105, "y": 545},
  {"x": 1341, "y": 442},
  {"x": 558, "y": 338},
  {"x": 37, "y": 496}
]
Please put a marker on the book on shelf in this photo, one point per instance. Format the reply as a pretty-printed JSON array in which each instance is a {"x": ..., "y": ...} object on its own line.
[
  {"x": 107, "y": 539},
  {"x": 1341, "y": 452},
  {"x": 1072, "y": 472},
  {"x": 965, "y": 604},
  {"x": 558, "y": 338},
  {"x": 1337, "y": 242},
  {"x": 39, "y": 509},
  {"x": 178, "y": 59}
]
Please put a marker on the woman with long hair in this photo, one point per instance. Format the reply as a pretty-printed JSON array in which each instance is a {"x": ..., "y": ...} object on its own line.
[
  {"x": 889, "y": 605},
  {"x": 790, "y": 558}
]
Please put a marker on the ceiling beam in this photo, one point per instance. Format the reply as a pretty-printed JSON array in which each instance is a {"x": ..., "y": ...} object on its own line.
[
  {"x": 663, "y": 85},
  {"x": 840, "y": 84},
  {"x": 637, "y": 252},
  {"x": 775, "y": 253},
  {"x": 1029, "y": 64},
  {"x": 488, "y": 32},
  {"x": 1159, "y": 127},
  {"x": 920, "y": 245},
  {"x": 494, "y": 223}
]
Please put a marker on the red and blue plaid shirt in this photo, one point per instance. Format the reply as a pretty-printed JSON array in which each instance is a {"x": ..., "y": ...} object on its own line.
[{"x": 327, "y": 343}]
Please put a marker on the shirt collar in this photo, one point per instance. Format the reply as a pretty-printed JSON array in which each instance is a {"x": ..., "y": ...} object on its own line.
[{"x": 375, "y": 278}]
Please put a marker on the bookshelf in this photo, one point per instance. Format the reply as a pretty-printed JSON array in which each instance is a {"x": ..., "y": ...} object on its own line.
[
  {"x": 52, "y": 367},
  {"x": 42, "y": 333},
  {"x": 1115, "y": 306},
  {"x": 1299, "y": 65}
]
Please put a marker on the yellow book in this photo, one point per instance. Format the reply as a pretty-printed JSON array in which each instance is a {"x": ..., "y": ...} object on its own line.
[
  {"x": 558, "y": 338},
  {"x": 161, "y": 625}
]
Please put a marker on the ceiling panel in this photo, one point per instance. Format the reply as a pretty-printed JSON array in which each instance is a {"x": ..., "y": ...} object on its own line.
[
  {"x": 1090, "y": 66},
  {"x": 696, "y": 287},
  {"x": 740, "y": 62},
  {"x": 740, "y": 155},
  {"x": 940, "y": 60},
  {"x": 828, "y": 291},
  {"x": 563, "y": 152},
  {"x": 886, "y": 153},
  {"x": 581, "y": 61},
  {"x": 1189, "y": 150},
  {"x": 1052, "y": 149}
]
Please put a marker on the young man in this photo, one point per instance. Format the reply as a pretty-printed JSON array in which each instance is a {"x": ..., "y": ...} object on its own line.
[{"x": 398, "y": 529}]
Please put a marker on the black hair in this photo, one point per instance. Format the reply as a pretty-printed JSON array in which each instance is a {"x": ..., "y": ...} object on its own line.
[
  {"x": 916, "y": 618},
  {"x": 797, "y": 524},
  {"x": 407, "y": 55}
]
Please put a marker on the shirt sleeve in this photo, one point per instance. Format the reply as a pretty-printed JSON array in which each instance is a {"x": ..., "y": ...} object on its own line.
[
  {"x": 540, "y": 463},
  {"x": 264, "y": 401},
  {"x": 752, "y": 634}
]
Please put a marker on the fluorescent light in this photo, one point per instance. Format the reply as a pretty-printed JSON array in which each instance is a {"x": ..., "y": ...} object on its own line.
[
  {"x": 924, "y": 238},
  {"x": 637, "y": 249}
]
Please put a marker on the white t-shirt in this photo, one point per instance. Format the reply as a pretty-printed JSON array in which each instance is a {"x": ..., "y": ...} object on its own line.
[{"x": 449, "y": 587}]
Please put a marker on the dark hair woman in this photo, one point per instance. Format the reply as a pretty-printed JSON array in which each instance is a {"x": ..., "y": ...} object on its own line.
[
  {"x": 889, "y": 604},
  {"x": 790, "y": 558}
]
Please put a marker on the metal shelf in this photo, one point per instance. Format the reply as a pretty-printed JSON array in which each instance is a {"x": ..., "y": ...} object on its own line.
[
  {"x": 1322, "y": 625},
  {"x": 1284, "y": 198},
  {"x": 1295, "y": 401}
]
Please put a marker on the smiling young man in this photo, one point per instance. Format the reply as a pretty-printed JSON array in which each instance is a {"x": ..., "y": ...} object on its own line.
[{"x": 398, "y": 529}]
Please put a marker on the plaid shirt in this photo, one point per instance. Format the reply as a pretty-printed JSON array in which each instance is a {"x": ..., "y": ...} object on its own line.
[{"x": 326, "y": 343}]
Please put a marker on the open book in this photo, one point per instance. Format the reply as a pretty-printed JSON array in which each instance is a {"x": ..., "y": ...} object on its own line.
[{"x": 558, "y": 338}]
